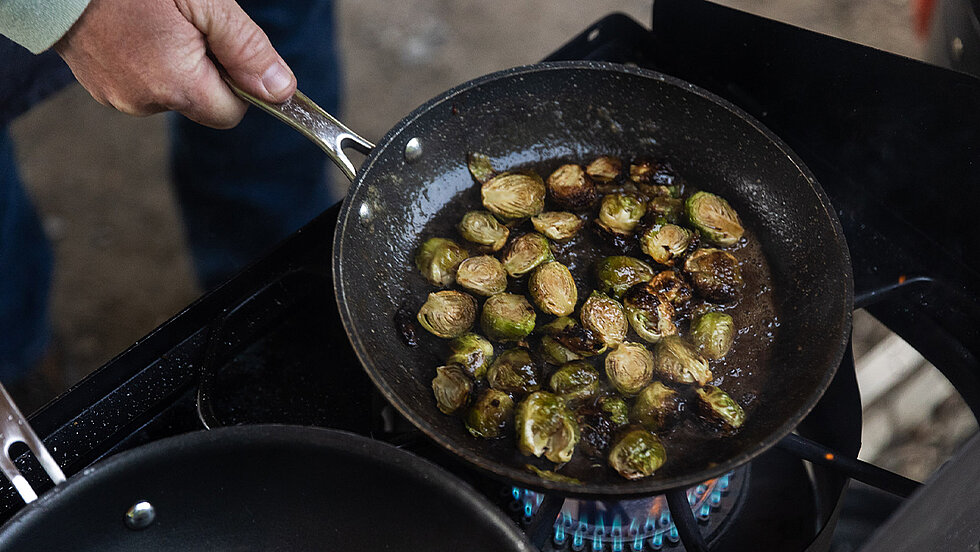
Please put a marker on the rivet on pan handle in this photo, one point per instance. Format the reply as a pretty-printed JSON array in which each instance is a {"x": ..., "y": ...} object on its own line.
[{"x": 15, "y": 429}]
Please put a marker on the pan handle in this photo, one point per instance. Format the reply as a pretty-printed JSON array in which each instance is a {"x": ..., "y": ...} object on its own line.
[
  {"x": 15, "y": 429},
  {"x": 322, "y": 128}
]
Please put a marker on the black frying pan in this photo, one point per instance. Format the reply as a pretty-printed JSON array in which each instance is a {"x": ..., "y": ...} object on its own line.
[{"x": 577, "y": 110}]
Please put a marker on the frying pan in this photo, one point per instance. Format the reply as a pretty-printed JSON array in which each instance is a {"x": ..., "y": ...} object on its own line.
[{"x": 415, "y": 184}]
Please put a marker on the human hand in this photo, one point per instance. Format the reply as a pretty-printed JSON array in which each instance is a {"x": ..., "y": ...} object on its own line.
[{"x": 147, "y": 56}]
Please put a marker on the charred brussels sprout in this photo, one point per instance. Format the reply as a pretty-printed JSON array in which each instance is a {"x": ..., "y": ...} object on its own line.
[
  {"x": 545, "y": 426},
  {"x": 604, "y": 317},
  {"x": 570, "y": 188},
  {"x": 490, "y": 414},
  {"x": 604, "y": 169},
  {"x": 452, "y": 388},
  {"x": 575, "y": 382},
  {"x": 678, "y": 360},
  {"x": 615, "y": 407},
  {"x": 715, "y": 274},
  {"x": 553, "y": 352},
  {"x": 482, "y": 228},
  {"x": 448, "y": 313},
  {"x": 471, "y": 352},
  {"x": 717, "y": 407},
  {"x": 672, "y": 286},
  {"x": 525, "y": 253},
  {"x": 620, "y": 213},
  {"x": 649, "y": 312},
  {"x": 507, "y": 317},
  {"x": 670, "y": 208},
  {"x": 712, "y": 333},
  {"x": 649, "y": 171},
  {"x": 629, "y": 368},
  {"x": 513, "y": 372},
  {"x": 480, "y": 167},
  {"x": 514, "y": 196},
  {"x": 637, "y": 453},
  {"x": 437, "y": 260},
  {"x": 714, "y": 218},
  {"x": 657, "y": 407},
  {"x": 665, "y": 243},
  {"x": 483, "y": 275},
  {"x": 557, "y": 225},
  {"x": 618, "y": 273},
  {"x": 577, "y": 339},
  {"x": 553, "y": 289}
]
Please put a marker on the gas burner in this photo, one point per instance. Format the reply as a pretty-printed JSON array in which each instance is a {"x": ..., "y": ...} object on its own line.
[{"x": 631, "y": 525}]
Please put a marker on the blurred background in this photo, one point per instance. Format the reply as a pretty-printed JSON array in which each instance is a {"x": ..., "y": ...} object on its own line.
[{"x": 100, "y": 181}]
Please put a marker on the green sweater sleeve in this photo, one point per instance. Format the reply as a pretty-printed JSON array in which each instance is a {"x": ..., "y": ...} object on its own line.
[{"x": 38, "y": 24}]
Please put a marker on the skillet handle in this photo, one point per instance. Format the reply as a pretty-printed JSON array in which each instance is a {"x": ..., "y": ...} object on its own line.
[
  {"x": 15, "y": 429},
  {"x": 312, "y": 121}
]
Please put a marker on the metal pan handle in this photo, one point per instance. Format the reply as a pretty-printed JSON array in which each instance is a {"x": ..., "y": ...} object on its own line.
[
  {"x": 15, "y": 429},
  {"x": 312, "y": 121}
]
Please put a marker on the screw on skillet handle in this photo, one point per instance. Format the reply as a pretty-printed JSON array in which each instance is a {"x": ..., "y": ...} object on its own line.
[{"x": 15, "y": 429}]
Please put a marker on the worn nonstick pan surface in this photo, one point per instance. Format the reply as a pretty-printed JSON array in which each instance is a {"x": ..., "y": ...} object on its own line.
[{"x": 578, "y": 110}]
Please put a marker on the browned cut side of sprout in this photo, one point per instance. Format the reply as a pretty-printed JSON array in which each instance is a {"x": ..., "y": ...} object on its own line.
[
  {"x": 553, "y": 289},
  {"x": 604, "y": 169},
  {"x": 471, "y": 352},
  {"x": 605, "y": 317},
  {"x": 665, "y": 243},
  {"x": 629, "y": 368},
  {"x": 570, "y": 188},
  {"x": 451, "y": 388},
  {"x": 524, "y": 253},
  {"x": 490, "y": 415},
  {"x": 483, "y": 275},
  {"x": 649, "y": 312},
  {"x": 673, "y": 287},
  {"x": 448, "y": 313},
  {"x": 513, "y": 372},
  {"x": 557, "y": 225},
  {"x": 715, "y": 274},
  {"x": 514, "y": 196},
  {"x": 577, "y": 339},
  {"x": 437, "y": 260},
  {"x": 482, "y": 228},
  {"x": 651, "y": 171}
]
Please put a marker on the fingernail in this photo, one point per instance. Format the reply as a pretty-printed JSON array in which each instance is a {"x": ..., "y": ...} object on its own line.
[{"x": 276, "y": 78}]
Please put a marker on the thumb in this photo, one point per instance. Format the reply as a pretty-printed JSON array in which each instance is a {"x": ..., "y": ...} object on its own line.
[{"x": 241, "y": 47}]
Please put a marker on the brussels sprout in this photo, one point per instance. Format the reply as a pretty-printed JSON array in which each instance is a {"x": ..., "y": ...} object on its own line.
[
  {"x": 715, "y": 274},
  {"x": 507, "y": 317},
  {"x": 452, "y": 388},
  {"x": 513, "y": 196},
  {"x": 604, "y": 169},
  {"x": 714, "y": 218},
  {"x": 437, "y": 259},
  {"x": 557, "y": 225},
  {"x": 545, "y": 426},
  {"x": 665, "y": 242},
  {"x": 483, "y": 275},
  {"x": 672, "y": 286},
  {"x": 471, "y": 352},
  {"x": 596, "y": 430},
  {"x": 482, "y": 228},
  {"x": 670, "y": 208},
  {"x": 513, "y": 372},
  {"x": 575, "y": 382},
  {"x": 553, "y": 289},
  {"x": 480, "y": 167},
  {"x": 712, "y": 333},
  {"x": 524, "y": 253},
  {"x": 716, "y": 406},
  {"x": 448, "y": 313},
  {"x": 551, "y": 476},
  {"x": 650, "y": 313},
  {"x": 553, "y": 352},
  {"x": 649, "y": 171},
  {"x": 490, "y": 414},
  {"x": 637, "y": 454},
  {"x": 615, "y": 407},
  {"x": 620, "y": 213},
  {"x": 657, "y": 407},
  {"x": 629, "y": 368},
  {"x": 570, "y": 188},
  {"x": 577, "y": 339},
  {"x": 604, "y": 317},
  {"x": 678, "y": 360},
  {"x": 618, "y": 273}
]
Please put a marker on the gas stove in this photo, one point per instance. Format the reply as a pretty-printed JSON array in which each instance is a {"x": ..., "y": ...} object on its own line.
[{"x": 894, "y": 142}]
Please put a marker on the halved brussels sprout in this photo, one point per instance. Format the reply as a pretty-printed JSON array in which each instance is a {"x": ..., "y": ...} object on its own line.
[
  {"x": 471, "y": 352},
  {"x": 715, "y": 274},
  {"x": 577, "y": 339},
  {"x": 490, "y": 414},
  {"x": 480, "y": 167},
  {"x": 650, "y": 313},
  {"x": 482, "y": 228},
  {"x": 545, "y": 426},
  {"x": 437, "y": 260},
  {"x": 604, "y": 169},
  {"x": 524, "y": 253},
  {"x": 570, "y": 188},
  {"x": 575, "y": 382},
  {"x": 618, "y": 273},
  {"x": 629, "y": 368},
  {"x": 557, "y": 225},
  {"x": 452, "y": 388},
  {"x": 673, "y": 286},
  {"x": 650, "y": 171},
  {"x": 596, "y": 430},
  {"x": 553, "y": 289},
  {"x": 678, "y": 360},
  {"x": 665, "y": 243},
  {"x": 637, "y": 453},
  {"x": 483, "y": 275},
  {"x": 616, "y": 408},
  {"x": 712, "y": 333},
  {"x": 604, "y": 317},
  {"x": 670, "y": 208},
  {"x": 514, "y": 196},
  {"x": 620, "y": 213},
  {"x": 718, "y": 407},
  {"x": 657, "y": 407},
  {"x": 553, "y": 352},
  {"x": 513, "y": 372},
  {"x": 448, "y": 313},
  {"x": 714, "y": 218},
  {"x": 507, "y": 317}
]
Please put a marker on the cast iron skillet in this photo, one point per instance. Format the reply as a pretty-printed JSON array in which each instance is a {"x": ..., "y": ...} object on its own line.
[{"x": 577, "y": 110}]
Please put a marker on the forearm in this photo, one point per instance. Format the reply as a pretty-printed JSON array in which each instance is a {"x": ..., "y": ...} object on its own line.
[{"x": 38, "y": 24}]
